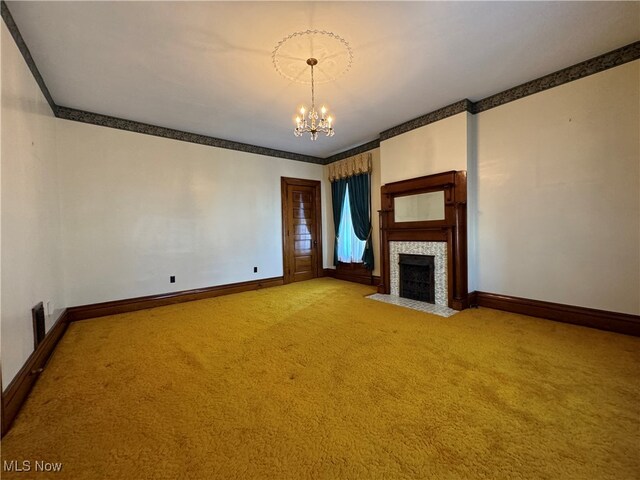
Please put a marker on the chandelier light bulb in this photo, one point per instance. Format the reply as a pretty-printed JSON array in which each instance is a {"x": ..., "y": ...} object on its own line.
[{"x": 313, "y": 123}]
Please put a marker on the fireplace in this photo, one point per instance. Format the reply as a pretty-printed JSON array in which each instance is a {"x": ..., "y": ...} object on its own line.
[
  {"x": 409, "y": 225},
  {"x": 417, "y": 277},
  {"x": 436, "y": 254}
]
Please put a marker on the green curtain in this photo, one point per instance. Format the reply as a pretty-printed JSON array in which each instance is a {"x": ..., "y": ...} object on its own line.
[
  {"x": 360, "y": 200},
  {"x": 338, "y": 190}
]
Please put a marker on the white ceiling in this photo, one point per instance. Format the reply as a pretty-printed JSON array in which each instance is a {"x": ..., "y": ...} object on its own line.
[{"x": 206, "y": 67}]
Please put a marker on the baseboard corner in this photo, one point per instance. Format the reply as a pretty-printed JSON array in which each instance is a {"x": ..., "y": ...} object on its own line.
[
  {"x": 329, "y": 272},
  {"x": 473, "y": 299},
  {"x": 14, "y": 396}
]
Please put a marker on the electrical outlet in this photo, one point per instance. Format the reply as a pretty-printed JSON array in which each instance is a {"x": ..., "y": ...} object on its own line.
[
  {"x": 172, "y": 279},
  {"x": 255, "y": 269},
  {"x": 49, "y": 307}
]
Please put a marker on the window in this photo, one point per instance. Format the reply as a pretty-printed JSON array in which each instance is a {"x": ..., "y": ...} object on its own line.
[{"x": 350, "y": 247}]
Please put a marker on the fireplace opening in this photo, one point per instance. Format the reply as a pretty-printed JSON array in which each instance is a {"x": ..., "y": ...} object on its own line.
[{"x": 417, "y": 277}]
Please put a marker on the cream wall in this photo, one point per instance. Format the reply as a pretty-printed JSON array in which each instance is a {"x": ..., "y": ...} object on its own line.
[
  {"x": 376, "y": 175},
  {"x": 328, "y": 227},
  {"x": 559, "y": 194},
  {"x": 1, "y": 56},
  {"x": 472, "y": 202},
  {"x": 30, "y": 257},
  {"x": 434, "y": 148},
  {"x": 137, "y": 209},
  {"x": 103, "y": 214},
  {"x": 329, "y": 231},
  {"x": 553, "y": 189}
]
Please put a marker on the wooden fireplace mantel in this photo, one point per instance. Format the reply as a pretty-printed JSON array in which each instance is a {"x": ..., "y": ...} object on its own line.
[{"x": 452, "y": 230}]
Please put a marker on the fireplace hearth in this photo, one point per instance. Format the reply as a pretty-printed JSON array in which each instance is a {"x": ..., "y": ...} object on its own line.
[{"x": 417, "y": 277}]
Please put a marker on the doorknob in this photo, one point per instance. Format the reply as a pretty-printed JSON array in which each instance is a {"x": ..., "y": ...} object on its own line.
[{"x": 315, "y": 243}]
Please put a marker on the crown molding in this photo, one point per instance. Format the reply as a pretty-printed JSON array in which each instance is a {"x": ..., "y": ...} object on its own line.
[
  {"x": 148, "y": 129},
  {"x": 597, "y": 64},
  {"x": 431, "y": 117},
  {"x": 131, "y": 125},
  {"x": 365, "y": 147},
  {"x": 617, "y": 57},
  {"x": 26, "y": 54},
  {"x": 611, "y": 59}
]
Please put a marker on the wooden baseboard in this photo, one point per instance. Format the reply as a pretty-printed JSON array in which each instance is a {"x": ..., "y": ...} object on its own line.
[
  {"x": 365, "y": 280},
  {"x": 460, "y": 303},
  {"x": 473, "y": 299},
  {"x": 95, "y": 310},
  {"x": 349, "y": 277},
  {"x": 17, "y": 391},
  {"x": 586, "y": 317}
]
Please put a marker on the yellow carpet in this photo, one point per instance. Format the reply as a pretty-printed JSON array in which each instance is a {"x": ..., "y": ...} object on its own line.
[{"x": 313, "y": 381}]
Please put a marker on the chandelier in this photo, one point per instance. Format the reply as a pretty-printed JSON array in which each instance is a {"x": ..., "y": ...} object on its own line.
[
  {"x": 313, "y": 123},
  {"x": 332, "y": 57}
]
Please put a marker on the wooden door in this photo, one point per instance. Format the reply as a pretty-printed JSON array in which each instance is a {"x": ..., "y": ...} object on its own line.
[{"x": 301, "y": 220}]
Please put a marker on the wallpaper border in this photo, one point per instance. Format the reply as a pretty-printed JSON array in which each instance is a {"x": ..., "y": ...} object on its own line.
[
  {"x": 132, "y": 125},
  {"x": 614, "y": 58},
  {"x": 594, "y": 65},
  {"x": 598, "y": 64},
  {"x": 365, "y": 147},
  {"x": 148, "y": 129},
  {"x": 26, "y": 54},
  {"x": 431, "y": 117}
]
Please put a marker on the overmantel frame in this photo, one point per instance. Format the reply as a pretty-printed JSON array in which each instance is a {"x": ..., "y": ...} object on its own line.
[{"x": 452, "y": 230}]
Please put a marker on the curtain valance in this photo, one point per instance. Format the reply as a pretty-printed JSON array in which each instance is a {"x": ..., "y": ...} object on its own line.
[{"x": 349, "y": 167}]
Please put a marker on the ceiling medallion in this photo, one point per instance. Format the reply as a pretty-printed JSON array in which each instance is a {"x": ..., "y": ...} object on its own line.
[
  {"x": 333, "y": 53},
  {"x": 329, "y": 56}
]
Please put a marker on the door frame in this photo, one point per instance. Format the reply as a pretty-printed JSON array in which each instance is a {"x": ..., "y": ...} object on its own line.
[{"x": 284, "y": 183}]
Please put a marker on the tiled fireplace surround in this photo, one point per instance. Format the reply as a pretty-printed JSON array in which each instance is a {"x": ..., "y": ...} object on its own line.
[{"x": 436, "y": 249}]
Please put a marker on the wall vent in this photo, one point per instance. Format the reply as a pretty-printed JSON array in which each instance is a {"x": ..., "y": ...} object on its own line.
[{"x": 37, "y": 314}]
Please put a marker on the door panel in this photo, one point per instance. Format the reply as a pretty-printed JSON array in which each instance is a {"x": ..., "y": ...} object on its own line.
[
  {"x": 303, "y": 263},
  {"x": 303, "y": 255},
  {"x": 301, "y": 229}
]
